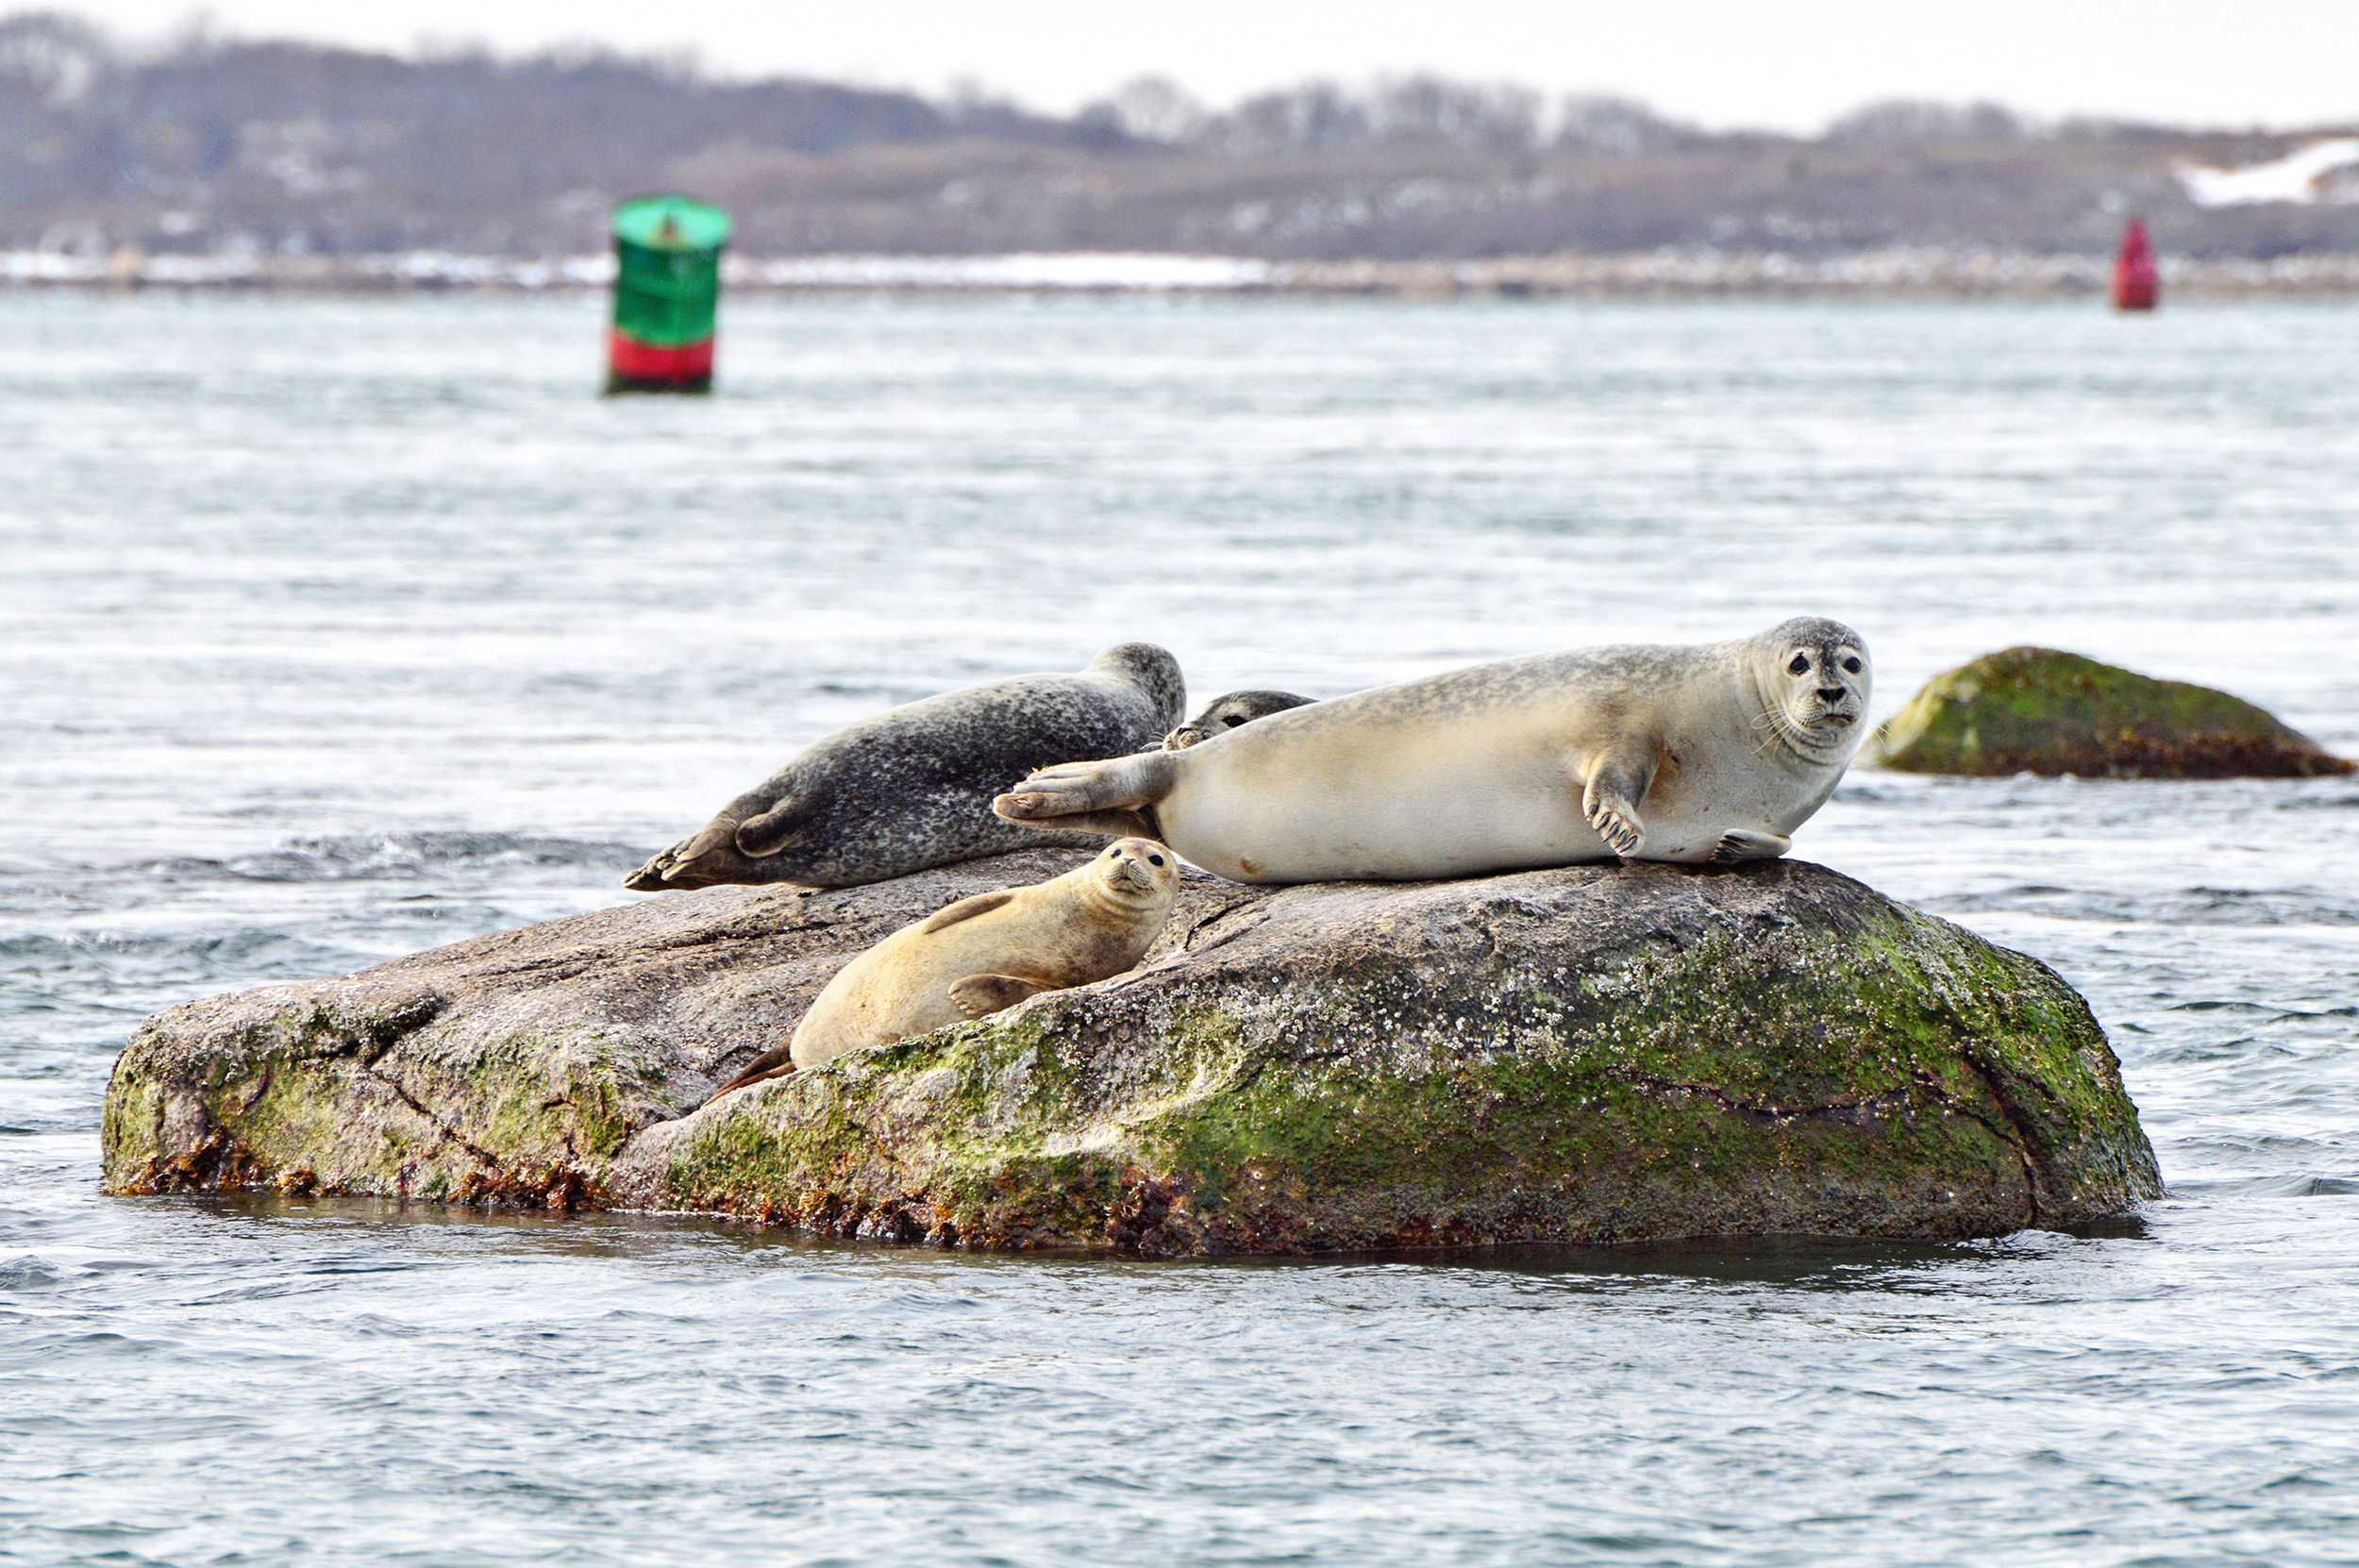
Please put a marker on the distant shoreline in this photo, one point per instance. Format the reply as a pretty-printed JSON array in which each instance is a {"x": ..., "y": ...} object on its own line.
[{"x": 1927, "y": 272}]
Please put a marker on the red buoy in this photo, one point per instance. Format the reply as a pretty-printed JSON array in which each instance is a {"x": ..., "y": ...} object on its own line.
[{"x": 2137, "y": 285}]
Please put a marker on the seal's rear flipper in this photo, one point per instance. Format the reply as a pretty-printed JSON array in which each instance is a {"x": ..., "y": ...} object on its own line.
[
  {"x": 775, "y": 1062},
  {"x": 1113, "y": 796},
  {"x": 717, "y": 837},
  {"x": 1739, "y": 845},
  {"x": 1114, "y": 825},
  {"x": 979, "y": 996},
  {"x": 649, "y": 877}
]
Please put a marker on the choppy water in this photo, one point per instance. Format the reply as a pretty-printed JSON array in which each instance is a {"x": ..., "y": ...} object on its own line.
[{"x": 329, "y": 630}]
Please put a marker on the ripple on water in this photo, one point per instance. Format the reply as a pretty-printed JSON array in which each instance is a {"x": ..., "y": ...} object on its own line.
[{"x": 394, "y": 635}]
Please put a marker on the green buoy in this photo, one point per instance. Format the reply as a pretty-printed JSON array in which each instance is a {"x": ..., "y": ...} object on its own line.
[{"x": 668, "y": 286}]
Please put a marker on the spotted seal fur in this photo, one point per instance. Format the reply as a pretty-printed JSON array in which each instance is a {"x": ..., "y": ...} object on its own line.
[{"x": 911, "y": 787}]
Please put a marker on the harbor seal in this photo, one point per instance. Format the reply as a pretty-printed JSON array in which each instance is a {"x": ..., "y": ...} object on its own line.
[
  {"x": 911, "y": 787},
  {"x": 984, "y": 953},
  {"x": 1693, "y": 755},
  {"x": 1225, "y": 712}
]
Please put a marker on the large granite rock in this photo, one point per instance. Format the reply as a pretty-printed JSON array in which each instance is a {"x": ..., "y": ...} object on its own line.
[
  {"x": 1592, "y": 1054},
  {"x": 2038, "y": 711}
]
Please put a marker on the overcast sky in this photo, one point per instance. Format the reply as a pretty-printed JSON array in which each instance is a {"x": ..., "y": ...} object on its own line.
[{"x": 1724, "y": 62}]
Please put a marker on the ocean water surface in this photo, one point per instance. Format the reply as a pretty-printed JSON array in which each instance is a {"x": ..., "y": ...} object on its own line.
[{"x": 333, "y": 629}]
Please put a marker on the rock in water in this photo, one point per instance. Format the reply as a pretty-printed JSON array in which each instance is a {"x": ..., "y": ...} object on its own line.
[
  {"x": 1598, "y": 1053},
  {"x": 512, "y": 1068},
  {"x": 2038, "y": 711}
]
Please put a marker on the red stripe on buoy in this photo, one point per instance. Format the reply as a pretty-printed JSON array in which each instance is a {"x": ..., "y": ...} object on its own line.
[
  {"x": 2136, "y": 284},
  {"x": 629, "y": 359}
]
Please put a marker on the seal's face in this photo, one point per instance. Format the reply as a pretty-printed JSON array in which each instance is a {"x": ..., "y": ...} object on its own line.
[
  {"x": 1817, "y": 694},
  {"x": 1138, "y": 874},
  {"x": 1197, "y": 732},
  {"x": 1222, "y": 714}
]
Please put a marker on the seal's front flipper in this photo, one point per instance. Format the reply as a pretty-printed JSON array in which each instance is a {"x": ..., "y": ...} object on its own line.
[
  {"x": 773, "y": 829},
  {"x": 1119, "y": 784},
  {"x": 1617, "y": 782},
  {"x": 775, "y": 1062},
  {"x": 979, "y": 996},
  {"x": 967, "y": 909},
  {"x": 1738, "y": 844}
]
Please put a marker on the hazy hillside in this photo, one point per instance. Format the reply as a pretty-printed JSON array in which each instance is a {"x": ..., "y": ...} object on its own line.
[{"x": 215, "y": 147}]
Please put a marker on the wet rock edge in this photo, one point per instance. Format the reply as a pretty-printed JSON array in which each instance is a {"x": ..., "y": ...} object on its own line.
[{"x": 1594, "y": 1054}]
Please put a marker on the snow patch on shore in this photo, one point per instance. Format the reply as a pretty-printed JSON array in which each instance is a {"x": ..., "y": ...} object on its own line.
[
  {"x": 2300, "y": 177},
  {"x": 1028, "y": 270}
]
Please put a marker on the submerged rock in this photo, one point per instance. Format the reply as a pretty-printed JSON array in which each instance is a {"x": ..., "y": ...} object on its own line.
[
  {"x": 1597, "y": 1053},
  {"x": 2038, "y": 711}
]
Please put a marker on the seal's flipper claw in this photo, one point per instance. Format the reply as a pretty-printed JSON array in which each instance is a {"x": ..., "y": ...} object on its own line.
[
  {"x": 655, "y": 876},
  {"x": 1615, "y": 818},
  {"x": 1618, "y": 780},
  {"x": 1621, "y": 835},
  {"x": 980, "y": 995},
  {"x": 1738, "y": 844}
]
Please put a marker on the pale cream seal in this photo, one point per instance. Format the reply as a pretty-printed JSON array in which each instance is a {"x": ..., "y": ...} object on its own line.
[
  {"x": 1709, "y": 754},
  {"x": 985, "y": 953}
]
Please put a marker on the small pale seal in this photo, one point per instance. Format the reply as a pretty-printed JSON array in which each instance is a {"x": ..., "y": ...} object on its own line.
[
  {"x": 985, "y": 953},
  {"x": 1225, "y": 712},
  {"x": 1706, "y": 753},
  {"x": 911, "y": 787}
]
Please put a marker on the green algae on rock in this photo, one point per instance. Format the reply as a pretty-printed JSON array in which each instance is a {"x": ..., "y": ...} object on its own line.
[
  {"x": 2038, "y": 711},
  {"x": 1599, "y": 1053},
  {"x": 510, "y": 1068}
]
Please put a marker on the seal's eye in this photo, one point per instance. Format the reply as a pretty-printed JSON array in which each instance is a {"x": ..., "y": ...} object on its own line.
[
  {"x": 1155, "y": 859},
  {"x": 1114, "y": 854},
  {"x": 1233, "y": 720},
  {"x": 1800, "y": 665},
  {"x": 1852, "y": 665}
]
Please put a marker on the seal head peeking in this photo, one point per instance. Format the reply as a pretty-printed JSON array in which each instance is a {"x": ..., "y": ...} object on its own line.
[
  {"x": 911, "y": 787},
  {"x": 1228, "y": 710},
  {"x": 1709, "y": 754}
]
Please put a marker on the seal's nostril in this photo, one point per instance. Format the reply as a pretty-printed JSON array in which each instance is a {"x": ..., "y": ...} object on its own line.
[{"x": 1831, "y": 695}]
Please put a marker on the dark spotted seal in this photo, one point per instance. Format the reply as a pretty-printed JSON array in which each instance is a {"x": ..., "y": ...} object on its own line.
[
  {"x": 911, "y": 787},
  {"x": 1225, "y": 712},
  {"x": 1703, "y": 754}
]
